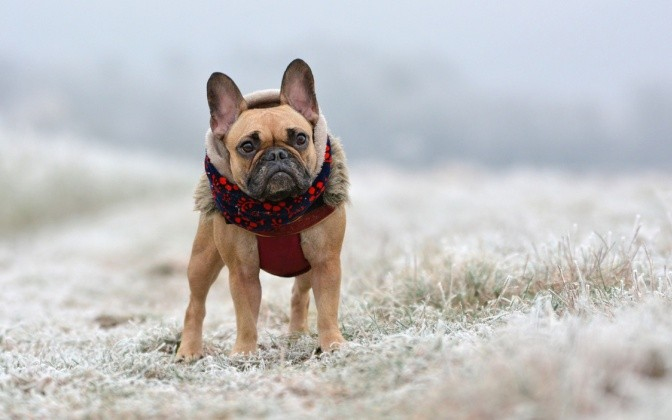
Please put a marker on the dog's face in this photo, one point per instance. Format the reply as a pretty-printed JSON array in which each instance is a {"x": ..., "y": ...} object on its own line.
[{"x": 271, "y": 150}]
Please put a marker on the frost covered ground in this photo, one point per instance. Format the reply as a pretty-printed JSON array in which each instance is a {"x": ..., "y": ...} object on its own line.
[{"x": 467, "y": 293}]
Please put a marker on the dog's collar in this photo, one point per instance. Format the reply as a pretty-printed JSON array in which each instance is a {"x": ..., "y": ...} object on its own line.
[{"x": 279, "y": 218}]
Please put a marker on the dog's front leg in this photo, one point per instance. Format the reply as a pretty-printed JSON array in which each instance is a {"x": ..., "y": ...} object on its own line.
[
  {"x": 322, "y": 248},
  {"x": 326, "y": 282},
  {"x": 238, "y": 249},
  {"x": 246, "y": 294},
  {"x": 204, "y": 267}
]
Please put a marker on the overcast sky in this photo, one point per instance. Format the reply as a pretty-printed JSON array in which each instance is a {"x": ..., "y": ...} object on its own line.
[
  {"x": 568, "y": 51},
  {"x": 560, "y": 48}
]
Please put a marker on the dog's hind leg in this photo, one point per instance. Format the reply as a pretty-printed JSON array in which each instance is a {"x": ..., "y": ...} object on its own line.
[
  {"x": 204, "y": 267},
  {"x": 298, "y": 320}
]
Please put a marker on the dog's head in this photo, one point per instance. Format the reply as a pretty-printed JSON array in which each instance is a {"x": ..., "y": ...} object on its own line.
[{"x": 271, "y": 150}]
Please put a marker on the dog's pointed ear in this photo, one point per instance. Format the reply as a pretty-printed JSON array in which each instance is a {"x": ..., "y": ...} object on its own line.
[
  {"x": 225, "y": 101},
  {"x": 298, "y": 90}
]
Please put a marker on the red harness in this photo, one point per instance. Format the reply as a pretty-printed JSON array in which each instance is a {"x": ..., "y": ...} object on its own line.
[{"x": 280, "y": 251}]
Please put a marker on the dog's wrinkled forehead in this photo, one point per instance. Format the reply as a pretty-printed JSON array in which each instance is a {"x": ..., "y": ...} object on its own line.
[{"x": 270, "y": 125}]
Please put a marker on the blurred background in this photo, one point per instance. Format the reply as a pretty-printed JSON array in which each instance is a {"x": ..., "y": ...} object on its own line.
[{"x": 572, "y": 84}]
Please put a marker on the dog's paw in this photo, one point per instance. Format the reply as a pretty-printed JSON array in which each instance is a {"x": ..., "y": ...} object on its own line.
[
  {"x": 185, "y": 356},
  {"x": 189, "y": 358},
  {"x": 243, "y": 349},
  {"x": 332, "y": 342}
]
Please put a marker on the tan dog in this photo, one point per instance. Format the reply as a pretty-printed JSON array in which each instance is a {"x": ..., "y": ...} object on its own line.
[{"x": 271, "y": 151}]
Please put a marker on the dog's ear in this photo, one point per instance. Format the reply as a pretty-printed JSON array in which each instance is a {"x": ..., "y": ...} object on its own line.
[
  {"x": 225, "y": 102},
  {"x": 298, "y": 90}
]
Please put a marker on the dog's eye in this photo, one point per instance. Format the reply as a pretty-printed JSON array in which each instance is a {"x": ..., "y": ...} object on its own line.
[
  {"x": 301, "y": 139},
  {"x": 247, "y": 147}
]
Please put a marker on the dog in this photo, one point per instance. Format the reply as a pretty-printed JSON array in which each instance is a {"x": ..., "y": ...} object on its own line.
[{"x": 272, "y": 197}]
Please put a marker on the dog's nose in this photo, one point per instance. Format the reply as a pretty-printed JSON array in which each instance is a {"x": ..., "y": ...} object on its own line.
[{"x": 275, "y": 153}]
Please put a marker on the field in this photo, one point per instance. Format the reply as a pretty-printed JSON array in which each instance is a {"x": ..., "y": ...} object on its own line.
[{"x": 467, "y": 293}]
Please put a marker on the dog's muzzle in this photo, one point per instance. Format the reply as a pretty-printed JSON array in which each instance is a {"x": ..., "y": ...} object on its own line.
[{"x": 277, "y": 176}]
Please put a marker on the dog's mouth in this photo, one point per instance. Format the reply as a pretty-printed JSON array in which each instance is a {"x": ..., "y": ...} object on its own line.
[
  {"x": 277, "y": 177},
  {"x": 278, "y": 183}
]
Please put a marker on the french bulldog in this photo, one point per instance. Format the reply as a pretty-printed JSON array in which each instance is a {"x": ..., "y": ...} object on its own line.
[{"x": 270, "y": 152}]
